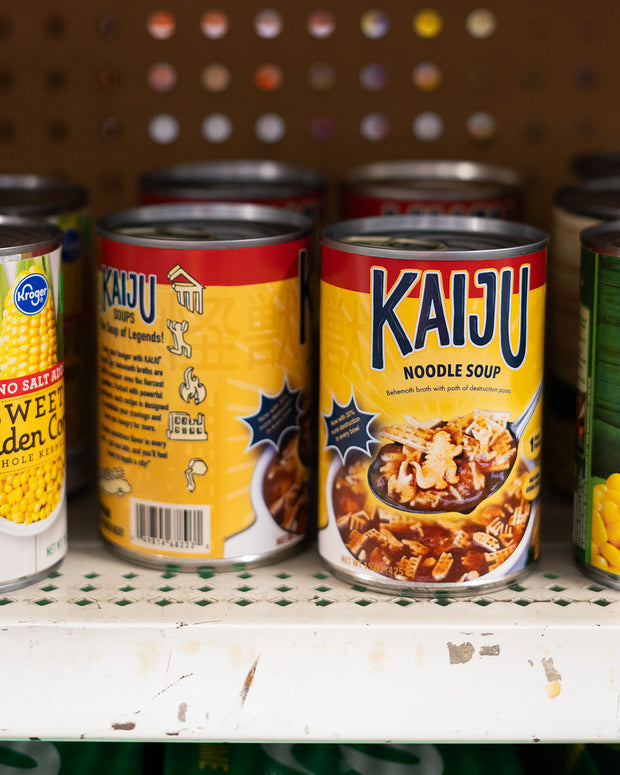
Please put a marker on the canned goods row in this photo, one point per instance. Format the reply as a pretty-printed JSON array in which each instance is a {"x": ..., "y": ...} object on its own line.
[
  {"x": 428, "y": 414},
  {"x": 414, "y": 187},
  {"x": 420, "y": 451},
  {"x": 65, "y": 204}
]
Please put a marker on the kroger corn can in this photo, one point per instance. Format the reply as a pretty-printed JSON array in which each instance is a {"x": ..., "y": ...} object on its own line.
[
  {"x": 432, "y": 187},
  {"x": 596, "y": 532},
  {"x": 205, "y": 416},
  {"x": 65, "y": 204},
  {"x": 33, "y": 510},
  {"x": 258, "y": 181},
  {"x": 430, "y": 401},
  {"x": 575, "y": 208}
]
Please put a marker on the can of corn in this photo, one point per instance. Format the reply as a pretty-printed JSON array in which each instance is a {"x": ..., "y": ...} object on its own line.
[
  {"x": 65, "y": 204},
  {"x": 263, "y": 181},
  {"x": 33, "y": 511},
  {"x": 596, "y": 531},
  {"x": 432, "y": 187},
  {"x": 205, "y": 383},
  {"x": 575, "y": 208},
  {"x": 430, "y": 401}
]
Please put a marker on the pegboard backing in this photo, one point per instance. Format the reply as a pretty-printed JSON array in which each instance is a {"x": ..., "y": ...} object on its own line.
[{"x": 524, "y": 84}]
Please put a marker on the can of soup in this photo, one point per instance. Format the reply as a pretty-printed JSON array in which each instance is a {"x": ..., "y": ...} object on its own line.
[
  {"x": 263, "y": 181},
  {"x": 596, "y": 164},
  {"x": 65, "y": 204},
  {"x": 33, "y": 509},
  {"x": 205, "y": 355},
  {"x": 596, "y": 534},
  {"x": 430, "y": 401},
  {"x": 575, "y": 208},
  {"x": 432, "y": 187}
]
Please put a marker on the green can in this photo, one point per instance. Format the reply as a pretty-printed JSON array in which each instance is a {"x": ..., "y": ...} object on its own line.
[{"x": 596, "y": 530}]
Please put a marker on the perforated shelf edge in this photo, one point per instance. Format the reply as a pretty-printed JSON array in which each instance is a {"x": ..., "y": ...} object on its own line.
[{"x": 105, "y": 650}]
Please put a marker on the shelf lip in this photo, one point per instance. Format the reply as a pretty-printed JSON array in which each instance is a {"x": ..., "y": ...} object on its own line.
[
  {"x": 303, "y": 684},
  {"x": 107, "y": 650}
]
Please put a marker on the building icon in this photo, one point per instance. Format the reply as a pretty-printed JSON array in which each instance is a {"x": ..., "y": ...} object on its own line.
[{"x": 181, "y": 427}]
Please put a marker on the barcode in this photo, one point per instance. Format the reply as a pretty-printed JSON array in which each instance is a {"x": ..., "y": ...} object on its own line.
[{"x": 170, "y": 526}]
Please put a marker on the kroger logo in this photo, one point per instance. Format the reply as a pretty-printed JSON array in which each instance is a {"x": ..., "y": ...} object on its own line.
[{"x": 31, "y": 293}]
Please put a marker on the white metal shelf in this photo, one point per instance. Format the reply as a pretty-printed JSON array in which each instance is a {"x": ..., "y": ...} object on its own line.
[{"x": 106, "y": 650}]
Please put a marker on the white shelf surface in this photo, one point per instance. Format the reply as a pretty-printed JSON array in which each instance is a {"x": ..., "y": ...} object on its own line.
[{"x": 107, "y": 650}]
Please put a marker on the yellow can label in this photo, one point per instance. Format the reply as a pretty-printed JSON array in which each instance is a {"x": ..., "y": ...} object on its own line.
[
  {"x": 32, "y": 417},
  {"x": 204, "y": 380},
  {"x": 79, "y": 328},
  {"x": 430, "y": 416}
]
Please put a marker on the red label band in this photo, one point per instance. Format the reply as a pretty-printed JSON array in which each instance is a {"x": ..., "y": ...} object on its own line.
[
  {"x": 32, "y": 382},
  {"x": 352, "y": 271},
  {"x": 228, "y": 267},
  {"x": 355, "y": 205}
]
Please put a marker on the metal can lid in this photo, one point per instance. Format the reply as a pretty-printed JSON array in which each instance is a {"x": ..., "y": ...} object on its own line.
[
  {"x": 598, "y": 198},
  {"x": 242, "y": 179},
  {"x": 602, "y": 238},
  {"x": 440, "y": 178},
  {"x": 35, "y": 195},
  {"x": 596, "y": 164},
  {"x": 434, "y": 236},
  {"x": 27, "y": 235},
  {"x": 204, "y": 226}
]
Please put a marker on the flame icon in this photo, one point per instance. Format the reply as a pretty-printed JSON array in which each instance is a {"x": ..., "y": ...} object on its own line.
[{"x": 192, "y": 389}]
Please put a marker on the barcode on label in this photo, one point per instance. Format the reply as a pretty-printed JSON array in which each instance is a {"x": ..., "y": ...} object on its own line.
[{"x": 174, "y": 526}]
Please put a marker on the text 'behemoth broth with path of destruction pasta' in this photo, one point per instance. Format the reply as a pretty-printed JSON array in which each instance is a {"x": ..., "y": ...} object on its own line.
[
  {"x": 33, "y": 511},
  {"x": 430, "y": 400},
  {"x": 205, "y": 366}
]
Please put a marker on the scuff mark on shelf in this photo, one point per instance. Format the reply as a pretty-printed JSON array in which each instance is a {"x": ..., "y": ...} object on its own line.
[
  {"x": 182, "y": 712},
  {"x": 125, "y": 726},
  {"x": 554, "y": 679},
  {"x": 247, "y": 684},
  {"x": 490, "y": 651},
  {"x": 174, "y": 683},
  {"x": 165, "y": 689},
  {"x": 377, "y": 657},
  {"x": 460, "y": 653}
]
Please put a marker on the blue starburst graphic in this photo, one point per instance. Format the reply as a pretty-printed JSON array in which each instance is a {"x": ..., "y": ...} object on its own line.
[
  {"x": 276, "y": 416},
  {"x": 347, "y": 428}
]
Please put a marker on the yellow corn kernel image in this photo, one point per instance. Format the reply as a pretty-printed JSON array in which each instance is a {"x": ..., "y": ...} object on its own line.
[
  {"x": 605, "y": 546},
  {"x": 32, "y": 495},
  {"x": 27, "y": 342},
  {"x": 28, "y": 345}
]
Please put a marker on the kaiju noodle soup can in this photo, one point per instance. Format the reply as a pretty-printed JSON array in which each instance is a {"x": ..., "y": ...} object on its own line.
[
  {"x": 205, "y": 394},
  {"x": 430, "y": 401}
]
